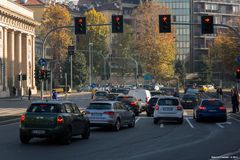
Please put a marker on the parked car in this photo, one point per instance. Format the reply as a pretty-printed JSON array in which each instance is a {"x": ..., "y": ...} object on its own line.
[
  {"x": 112, "y": 114},
  {"x": 100, "y": 95},
  {"x": 189, "y": 101},
  {"x": 169, "y": 91},
  {"x": 151, "y": 105},
  {"x": 131, "y": 102},
  {"x": 60, "y": 119},
  {"x": 210, "y": 109},
  {"x": 168, "y": 108},
  {"x": 142, "y": 95}
]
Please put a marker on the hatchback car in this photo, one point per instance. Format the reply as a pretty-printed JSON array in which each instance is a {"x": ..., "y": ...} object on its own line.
[
  {"x": 210, "y": 109},
  {"x": 57, "y": 119},
  {"x": 112, "y": 114},
  {"x": 100, "y": 95},
  {"x": 168, "y": 108},
  {"x": 189, "y": 101},
  {"x": 131, "y": 103},
  {"x": 151, "y": 105}
]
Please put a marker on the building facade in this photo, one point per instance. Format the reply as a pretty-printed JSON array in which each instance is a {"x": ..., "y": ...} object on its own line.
[
  {"x": 223, "y": 11},
  {"x": 17, "y": 48}
]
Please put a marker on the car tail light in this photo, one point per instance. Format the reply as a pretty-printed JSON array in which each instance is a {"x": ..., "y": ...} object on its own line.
[
  {"x": 22, "y": 118},
  {"x": 133, "y": 104},
  {"x": 179, "y": 108},
  {"x": 156, "y": 107},
  {"x": 201, "y": 108},
  {"x": 146, "y": 99},
  {"x": 221, "y": 108},
  {"x": 110, "y": 113},
  {"x": 60, "y": 120}
]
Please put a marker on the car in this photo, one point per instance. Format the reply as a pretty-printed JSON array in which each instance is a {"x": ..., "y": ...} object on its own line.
[
  {"x": 112, "y": 96},
  {"x": 142, "y": 95},
  {"x": 210, "y": 87},
  {"x": 84, "y": 89},
  {"x": 53, "y": 119},
  {"x": 168, "y": 108},
  {"x": 202, "y": 88},
  {"x": 156, "y": 93},
  {"x": 169, "y": 91},
  {"x": 210, "y": 109},
  {"x": 151, "y": 105},
  {"x": 124, "y": 91},
  {"x": 189, "y": 101},
  {"x": 100, "y": 95},
  {"x": 112, "y": 114},
  {"x": 131, "y": 102}
]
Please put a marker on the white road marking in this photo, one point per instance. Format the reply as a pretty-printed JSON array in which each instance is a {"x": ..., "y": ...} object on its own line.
[
  {"x": 231, "y": 155},
  {"x": 9, "y": 124},
  {"x": 161, "y": 125},
  {"x": 236, "y": 115},
  {"x": 234, "y": 118},
  {"x": 220, "y": 125},
  {"x": 137, "y": 120},
  {"x": 189, "y": 123}
]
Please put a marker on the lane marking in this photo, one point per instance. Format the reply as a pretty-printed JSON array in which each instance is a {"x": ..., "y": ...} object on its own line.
[
  {"x": 189, "y": 123},
  {"x": 220, "y": 125},
  {"x": 234, "y": 118},
  {"x": 235, "y": 115},
  {"x": 137, "y": 120},
  {"x": 231, "y": 154},
  {"x": 161, "y": 125},
  {"x": 3, "y": 125},
  {"x": 185, "y": 113}
]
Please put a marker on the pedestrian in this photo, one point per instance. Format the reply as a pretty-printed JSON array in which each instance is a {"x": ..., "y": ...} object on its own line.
[
  {"x": 29, "y": 93},
  {"x": 14, "y": 91},
  {"x": 54, "y": 95},
  {"x": 235, "y": 101}
]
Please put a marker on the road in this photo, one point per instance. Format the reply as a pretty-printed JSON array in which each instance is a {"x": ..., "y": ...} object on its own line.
[{"x": 191, "y": 140}]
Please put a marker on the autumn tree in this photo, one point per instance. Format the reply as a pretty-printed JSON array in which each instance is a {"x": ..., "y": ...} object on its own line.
[
  {"x": 96, "y": 35},
  {"x": 157, "y": 51}
]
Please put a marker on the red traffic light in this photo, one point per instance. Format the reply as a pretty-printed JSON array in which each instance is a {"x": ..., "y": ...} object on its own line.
[
  {"x": 238, "y": 70},
  {"x": 117, "y": 19},
  {"x": 207, "y": 20},
  {"x": 164, "y": 19}
]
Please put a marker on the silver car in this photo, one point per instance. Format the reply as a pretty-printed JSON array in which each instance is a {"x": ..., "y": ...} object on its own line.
[
  {"x": 109, "y": 113},
  {"x": 168, "y": 108}
]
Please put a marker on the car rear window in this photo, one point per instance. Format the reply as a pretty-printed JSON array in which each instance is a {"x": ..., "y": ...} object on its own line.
[
  {"x": 208, "y": 103},
  {"x": 44, "y": 108},
  {"x": 101, "y": 94},
  {"x": 153, "y": 101},
  {"x": 102, "y": 106},
  {"x": 168, "y": 102}
]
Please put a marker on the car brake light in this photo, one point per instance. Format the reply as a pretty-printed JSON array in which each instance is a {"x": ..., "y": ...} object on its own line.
[
  {"x": 60, "y": 120},
  {"x": 222, "y": 108},
  {"x": 22, "y": 118},
  {"x": 179, "y": 108},
  {"x": 133, "y": 103},
  {"x": 201, "y": 108},
  {"x": 156, "y": 107},
  {"x": 110, "y": 113}
]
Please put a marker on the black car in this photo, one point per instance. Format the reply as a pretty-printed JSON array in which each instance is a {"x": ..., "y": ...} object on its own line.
[
  {"x": 151, "y": 105},
  {"x": 189, "y": 101},
  {"x": 131, "y": 103},
  {"x": 53, "y": 119}
]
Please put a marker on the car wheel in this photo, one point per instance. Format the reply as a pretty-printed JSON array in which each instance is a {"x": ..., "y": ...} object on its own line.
[
  {"x": 67, "y": 136},
  {"x": 155, "y": 121},
  {"x": 24, "y": 139},
  {"x": 180, "y": 121},
  {"x": 86, "y": 133},
  {"x": 117, "y": 125},
  {"x": 132, "y": 124}
]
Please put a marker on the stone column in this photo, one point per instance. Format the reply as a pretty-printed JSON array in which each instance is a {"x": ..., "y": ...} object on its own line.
[
  {"x": 18, "y": 59},
  {"x": 5, "y": 60},
  {"x": 34, "y": 88},
  {"x": 12, "y": 41}
]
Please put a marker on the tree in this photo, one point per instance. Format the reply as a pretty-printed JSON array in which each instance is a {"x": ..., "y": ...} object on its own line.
[
  {"x": 180, "y": 71},
  {"x": 156, "y": 50},
  {"x": 96, "y": 35},
  {"x": 80, "y": 71}
]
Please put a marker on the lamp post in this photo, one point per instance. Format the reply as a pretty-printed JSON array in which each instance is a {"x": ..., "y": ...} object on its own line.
[{"x": 90, "y": 45}]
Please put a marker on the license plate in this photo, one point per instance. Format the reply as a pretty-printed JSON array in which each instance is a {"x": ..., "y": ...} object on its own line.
[
  {"x": 96, "y": 114},
  {"x": 212, "y": 110},
  {"x": 38, "y": 131},
  {"x": 167, "y": 109}
]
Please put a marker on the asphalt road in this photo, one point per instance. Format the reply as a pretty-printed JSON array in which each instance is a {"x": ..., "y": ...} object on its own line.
[{"x": 165, "y": 141}]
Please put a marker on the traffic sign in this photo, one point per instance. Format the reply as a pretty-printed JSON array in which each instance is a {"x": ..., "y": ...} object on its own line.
[
  {"x": 71, "y": 50},
  {"x": 238, "y": 59},
  {"x": 93, "y": 85},
  {"x": 42, "y": 62},
  {"x": 147, "y": 77}
]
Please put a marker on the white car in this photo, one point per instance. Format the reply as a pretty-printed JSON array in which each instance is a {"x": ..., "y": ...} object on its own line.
[
  {"x": 142, "y": 95},
  {"x": 168, "y": 108}
]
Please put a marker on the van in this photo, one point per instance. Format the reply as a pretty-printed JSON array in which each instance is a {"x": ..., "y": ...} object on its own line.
[{"x": 142, "y": 95}]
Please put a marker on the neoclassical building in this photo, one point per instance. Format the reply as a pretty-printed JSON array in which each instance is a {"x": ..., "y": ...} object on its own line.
[{"x": 17, "y": 48}]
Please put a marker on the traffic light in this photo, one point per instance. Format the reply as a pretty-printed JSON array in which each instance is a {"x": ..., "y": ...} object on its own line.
[
  {"x": 42, "y": 74},
  {"x": 238, "y": 73},
  {"x": 80, "y": 25},
  {"x": 207, "y": 24},
  {"x": 117, "y": 23},
  {"x": 164, "y": 23}
]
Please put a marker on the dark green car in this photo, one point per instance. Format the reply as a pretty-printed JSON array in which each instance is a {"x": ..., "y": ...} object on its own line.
[{"x": 53, "y": 119}]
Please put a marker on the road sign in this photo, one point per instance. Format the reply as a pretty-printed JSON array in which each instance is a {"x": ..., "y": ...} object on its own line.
[
  {"x": 238, "y": 59},
  {"x": 42, "y": 62},
  {"x": 71, "y": 50},
  {"x": 147, "y": 77},
  {"x": 93, "y": 85}
]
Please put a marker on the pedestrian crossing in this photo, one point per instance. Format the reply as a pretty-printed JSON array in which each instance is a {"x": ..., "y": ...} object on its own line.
[{"x": 11, "y": 111}]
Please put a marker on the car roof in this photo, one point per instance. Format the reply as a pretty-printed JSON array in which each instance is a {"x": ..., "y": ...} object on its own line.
[
  {"x": 169, "y": 97},
  {"x": 111, "y": 102},
  {"x": 51, "y": 102}
]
